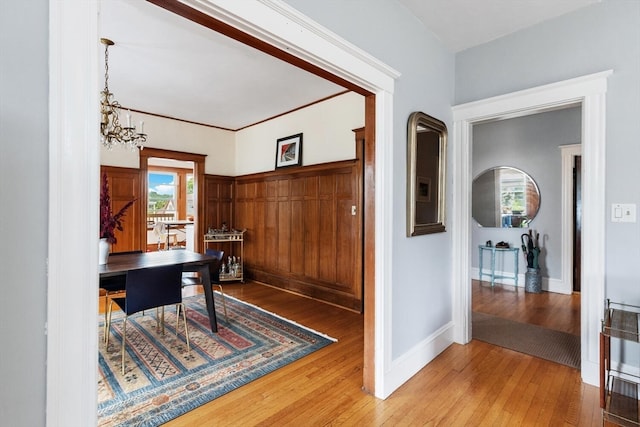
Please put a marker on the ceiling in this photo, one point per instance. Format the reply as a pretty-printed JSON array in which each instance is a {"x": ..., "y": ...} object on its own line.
[
  {"x": 461, "y": 24},
  {"x": 164, "y": 64}
]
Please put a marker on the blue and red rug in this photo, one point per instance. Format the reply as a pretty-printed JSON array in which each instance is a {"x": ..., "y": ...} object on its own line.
[{"x": 163, "y": 380}]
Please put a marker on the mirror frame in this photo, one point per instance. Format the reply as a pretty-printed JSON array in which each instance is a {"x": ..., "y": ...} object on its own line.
[{"x": 431, "y": 124}]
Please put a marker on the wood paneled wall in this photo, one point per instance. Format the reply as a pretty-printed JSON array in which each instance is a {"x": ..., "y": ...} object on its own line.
[
  {"x": 218, "y": 196},
  {"x": 304, "y": 230},
  {"x": 304, "y": 225},
  {"x": 124, "y": 185}
]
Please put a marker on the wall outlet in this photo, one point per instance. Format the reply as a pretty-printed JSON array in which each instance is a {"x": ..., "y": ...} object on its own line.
[{"x": 623, "y": 212}]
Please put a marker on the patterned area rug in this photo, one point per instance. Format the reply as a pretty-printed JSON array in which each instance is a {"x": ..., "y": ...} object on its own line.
[
  {"x": 556, "y": 346},
  {"x": 163, "y": 380}
]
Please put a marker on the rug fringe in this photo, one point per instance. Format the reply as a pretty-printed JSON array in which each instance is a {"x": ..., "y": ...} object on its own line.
[{"x": 280, "y": 317}]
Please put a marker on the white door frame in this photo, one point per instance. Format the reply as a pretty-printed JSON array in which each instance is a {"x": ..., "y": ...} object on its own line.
[
  {"x": 589, "y": 92},
  {"x": 567, "y": 153},
  {"x": 74, "y": 162}
]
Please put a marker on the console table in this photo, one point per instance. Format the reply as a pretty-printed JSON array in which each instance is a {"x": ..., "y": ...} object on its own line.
[
  {"x": 229, "y": 237},
  {"x": 492, "y": 272}
]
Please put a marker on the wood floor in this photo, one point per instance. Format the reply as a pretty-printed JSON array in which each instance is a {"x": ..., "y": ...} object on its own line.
[
  {"x": 467, "y": 385},
  {"x": 550, "y": 310}
]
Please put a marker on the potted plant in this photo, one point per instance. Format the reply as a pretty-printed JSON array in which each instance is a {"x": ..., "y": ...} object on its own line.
[{"x": 109, "y": 222}]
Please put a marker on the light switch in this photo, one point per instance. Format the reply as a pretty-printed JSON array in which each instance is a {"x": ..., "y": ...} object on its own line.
[{"x": 623, "y": 212}]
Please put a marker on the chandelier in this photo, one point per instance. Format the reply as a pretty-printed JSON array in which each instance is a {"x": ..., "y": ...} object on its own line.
[{"x": 111, "y": 131}]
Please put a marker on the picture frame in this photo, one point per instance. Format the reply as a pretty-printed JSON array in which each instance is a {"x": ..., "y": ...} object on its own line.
[
  {"x": 289, "y": 151},
  {"x": 426, "y": 174}
]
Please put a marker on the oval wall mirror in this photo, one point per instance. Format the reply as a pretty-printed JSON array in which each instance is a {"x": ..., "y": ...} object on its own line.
[{"x": 504, "y": 197}]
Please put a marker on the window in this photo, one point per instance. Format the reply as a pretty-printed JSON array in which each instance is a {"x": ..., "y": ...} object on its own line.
[
  {"x": 162, "y": 195},
  {"x": 190, "y": 207}
]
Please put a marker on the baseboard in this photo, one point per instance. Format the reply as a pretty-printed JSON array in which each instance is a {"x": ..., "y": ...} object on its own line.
[
  {"x": 557, "y": 286},
  {"x": 407, "y": 365},
  {"x": 549, "y": 284}
]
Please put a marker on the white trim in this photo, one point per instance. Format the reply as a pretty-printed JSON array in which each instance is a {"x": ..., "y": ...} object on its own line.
[
  {"x": 72, "y": 294},
  {"x": 74, "y": 180},
  {"x": 406, "y": 366},
  {"x": 590, "y": 92},
  {"x": 593, "y": 231},
  {"x": 567, "y": 153},
  {"x": 461, "y": 231},
  {"x": 383, "y": 220}
]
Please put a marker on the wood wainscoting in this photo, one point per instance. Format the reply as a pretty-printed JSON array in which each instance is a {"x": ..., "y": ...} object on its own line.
[
  {"x": 304, "y": 230},
  {"x": 304, "y": 225},
  {"x": 218, "y": 197}
]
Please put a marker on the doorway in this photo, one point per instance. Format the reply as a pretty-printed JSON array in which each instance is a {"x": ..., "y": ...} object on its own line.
[
  {"x": 170, "y": 200},
  {"x": 74, "y": 164},
  {"x": 589, "y": 92},
  {"x": 528, "y": 143},
  {"x": 577, "y": 222}
]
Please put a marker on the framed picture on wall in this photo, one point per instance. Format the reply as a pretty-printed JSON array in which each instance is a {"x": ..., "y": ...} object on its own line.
[{"x": 289, "y": 151}]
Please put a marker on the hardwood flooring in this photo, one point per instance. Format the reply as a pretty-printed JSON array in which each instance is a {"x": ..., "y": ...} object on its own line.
[
  {"x": 467, "y": 385},
  {"x": 554, "y": 311}
]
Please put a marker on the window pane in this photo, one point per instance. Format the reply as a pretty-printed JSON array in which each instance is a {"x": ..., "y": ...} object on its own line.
[
  {"x": 162, "y": 193},
  {"x": 190, "y": 208}
]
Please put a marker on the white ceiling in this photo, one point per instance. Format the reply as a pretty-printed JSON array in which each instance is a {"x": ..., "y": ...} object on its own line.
[
  {"x": 163, "y": 64},
  {"x": 461, "y": 24}
]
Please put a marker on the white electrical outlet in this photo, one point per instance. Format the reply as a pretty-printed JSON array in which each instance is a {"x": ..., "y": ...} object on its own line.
[{"x": 623, "y": 212}]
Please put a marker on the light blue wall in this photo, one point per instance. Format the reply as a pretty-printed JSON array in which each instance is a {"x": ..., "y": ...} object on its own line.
[
  {"x": 421, "y": 284},
  {"x": 603, "y": 36},
  {"x": 530, "y": 144},
  {"x": 24, "y": 113}
]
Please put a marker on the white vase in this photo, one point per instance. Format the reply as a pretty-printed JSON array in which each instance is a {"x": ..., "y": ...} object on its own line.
[{"x": 103, "y": 251}]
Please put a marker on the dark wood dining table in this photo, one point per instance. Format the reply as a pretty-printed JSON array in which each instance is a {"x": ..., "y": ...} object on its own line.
[{"x": 190, "y": 261}]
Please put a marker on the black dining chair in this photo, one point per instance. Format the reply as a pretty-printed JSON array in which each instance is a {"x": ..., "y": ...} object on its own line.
[
  {"x": 150, "y": 288},
  {"x": 192, "y": 279},
  {"x": 113, "y": 286}
]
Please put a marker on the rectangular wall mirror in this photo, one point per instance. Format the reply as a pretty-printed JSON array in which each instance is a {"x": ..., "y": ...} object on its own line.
[{"x": 426, "y": 160}]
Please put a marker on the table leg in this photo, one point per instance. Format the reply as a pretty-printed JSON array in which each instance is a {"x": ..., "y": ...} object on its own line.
[
  {"x": 481, "y": 264},
  {"x": 493, "y": 268},
  {"x": 208, "y": 295},
  {"x": 515, "y": 267},
  {"x": 203, "y": 270}
]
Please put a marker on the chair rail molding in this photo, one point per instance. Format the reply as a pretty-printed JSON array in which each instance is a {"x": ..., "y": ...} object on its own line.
[{"x": 588, "y": 92}]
